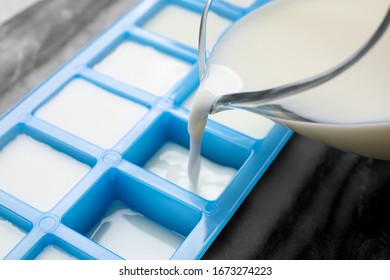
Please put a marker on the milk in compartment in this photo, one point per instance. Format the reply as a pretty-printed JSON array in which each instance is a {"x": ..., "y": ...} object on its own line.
[
  {"x": 36, "y": 173},
  {"x": 241, "y": 3},
  {"x": 92, "y": 113},
  {"x": 133, "y": 236},
  {"x": 53, "y": 252},
  {"x": 10, "y": 235},
  {"x": 137, "y": 65},
  {"x": 170, "y": 162}
]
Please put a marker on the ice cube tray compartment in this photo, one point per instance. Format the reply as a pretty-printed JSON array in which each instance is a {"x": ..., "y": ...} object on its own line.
[{"x": 115, "y": 189}]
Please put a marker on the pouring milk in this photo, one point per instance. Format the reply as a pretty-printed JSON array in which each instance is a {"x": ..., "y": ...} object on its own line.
[{"x": 289, "y": 40}]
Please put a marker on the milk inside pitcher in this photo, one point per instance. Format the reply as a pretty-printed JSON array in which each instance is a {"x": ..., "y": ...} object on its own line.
[{"x": 285, "y": 41}]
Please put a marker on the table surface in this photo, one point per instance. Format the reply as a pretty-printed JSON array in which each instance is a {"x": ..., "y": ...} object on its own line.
[
  {"x": 9, "y": 9},
  {"x": 314, "y": 202}
]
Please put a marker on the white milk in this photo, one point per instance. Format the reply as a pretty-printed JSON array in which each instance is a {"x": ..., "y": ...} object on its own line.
[
  {"x": 245, "y": 122},
  {"x": 92, "y": 113},
  {"x": 10, "y": 235},
  {"x": 286, "y": 41},
  {"x": 182, "y": 25},
  {"x": 53, "y": 252},
  {"x": 36, "y": 173},
  {"x": 143, "y": 67},
  {"x": 170, "y": 162},
  {"x": 241, "y": 3},
  {"x": 133, "y": 236}
]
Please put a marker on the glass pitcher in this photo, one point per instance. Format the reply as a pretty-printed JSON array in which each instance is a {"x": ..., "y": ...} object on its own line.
[{"x": 263, "y": 62}]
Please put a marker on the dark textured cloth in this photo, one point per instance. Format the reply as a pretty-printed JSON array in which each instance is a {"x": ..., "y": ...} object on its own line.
[{"x": 314, "y": 202}]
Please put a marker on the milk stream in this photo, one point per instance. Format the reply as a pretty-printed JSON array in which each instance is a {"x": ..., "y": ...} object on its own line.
[
  {"x": 286, "y": 41},
  {"x": 169, "y": 162}
]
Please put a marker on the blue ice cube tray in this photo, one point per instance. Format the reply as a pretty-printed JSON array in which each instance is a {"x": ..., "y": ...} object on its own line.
[{"x": 117, "y": 173}]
